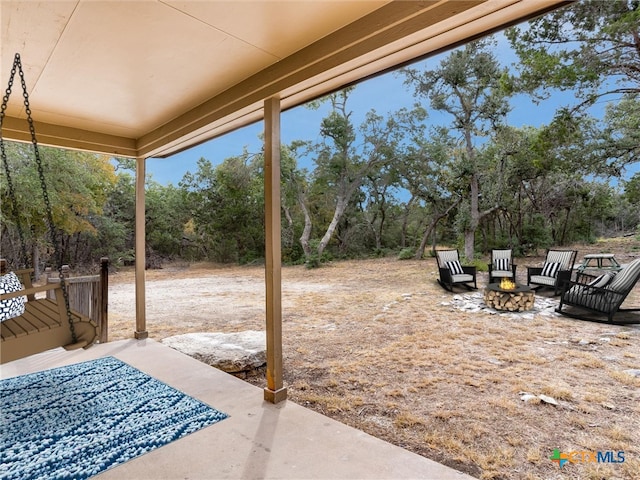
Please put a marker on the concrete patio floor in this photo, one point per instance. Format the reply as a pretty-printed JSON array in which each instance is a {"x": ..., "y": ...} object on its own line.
[{"x": 258, "y": 440}]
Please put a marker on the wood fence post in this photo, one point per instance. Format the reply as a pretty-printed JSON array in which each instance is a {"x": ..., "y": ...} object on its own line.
[{"x": 104, "y": 299}]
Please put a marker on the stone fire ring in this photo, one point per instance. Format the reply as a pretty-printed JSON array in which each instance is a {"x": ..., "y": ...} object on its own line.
[{"x": 519, "y": 299}]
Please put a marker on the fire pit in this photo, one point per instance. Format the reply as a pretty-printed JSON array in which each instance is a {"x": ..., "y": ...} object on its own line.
[{"x": 509, "y": 296}]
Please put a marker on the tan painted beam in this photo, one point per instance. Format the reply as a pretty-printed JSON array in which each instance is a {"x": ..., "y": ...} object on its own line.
[
  {"x": 275, "y": 391},
  {"x": 71, "y": 138},
  {"x": 140, "y": 253}
]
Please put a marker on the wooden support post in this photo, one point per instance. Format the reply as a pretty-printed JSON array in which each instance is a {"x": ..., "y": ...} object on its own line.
[
  {"x": 140, "y": 252},
  {"x": 104, "y": 300},
  {"x": 275, "y": 391}
]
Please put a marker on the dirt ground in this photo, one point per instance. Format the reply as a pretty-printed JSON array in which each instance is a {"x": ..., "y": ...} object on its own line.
[{"x": 376, "y": 344}]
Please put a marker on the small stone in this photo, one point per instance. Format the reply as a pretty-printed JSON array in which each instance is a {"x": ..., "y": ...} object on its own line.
[
  {"x": 633, "y": 372},
  {"x": 547, "y": 399}
]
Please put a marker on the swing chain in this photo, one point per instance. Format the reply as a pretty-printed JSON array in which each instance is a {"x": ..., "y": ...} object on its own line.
[
  {"x": 52, "y": 230},
  {"x": 5, "y": 162}
]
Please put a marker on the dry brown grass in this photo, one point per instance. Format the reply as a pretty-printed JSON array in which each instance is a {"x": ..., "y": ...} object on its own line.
[{"x": 373, "y": 346}]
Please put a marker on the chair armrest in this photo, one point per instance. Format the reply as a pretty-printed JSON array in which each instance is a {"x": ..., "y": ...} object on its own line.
[
  {"x": 23, "y": 271},
  {"x": 604, "y": 296},
  {"x": 563, "y": 276},
  {"x": 533, "y": 271},
  {"x": 584, "y": 278},
  {"x": 445, "y": 274},
  {"x": 30, "y": 291},
  {"x": 469, "y": 270}
]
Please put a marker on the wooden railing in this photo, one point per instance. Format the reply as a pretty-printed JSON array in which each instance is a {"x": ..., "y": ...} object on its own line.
[{"x": 88, "y": 295}]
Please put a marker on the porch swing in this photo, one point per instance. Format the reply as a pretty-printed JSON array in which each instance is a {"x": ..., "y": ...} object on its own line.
[{"x": 32, "y": 325}]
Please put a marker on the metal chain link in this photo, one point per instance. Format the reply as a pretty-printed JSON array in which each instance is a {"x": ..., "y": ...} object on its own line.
[
  {"x": 5, "y": 162},
  {"x": 52, "y": 230}
]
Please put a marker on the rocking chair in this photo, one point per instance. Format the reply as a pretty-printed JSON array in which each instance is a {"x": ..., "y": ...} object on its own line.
[
  {"x": 453, "y": 273},
  {"x": 602, "y": 296},
  {"x": 556, "y": 270},
  {"x": 501, "y": 266}
]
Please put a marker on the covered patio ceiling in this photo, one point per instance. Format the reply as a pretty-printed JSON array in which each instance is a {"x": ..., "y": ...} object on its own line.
[{"x": 150, "y": 78}]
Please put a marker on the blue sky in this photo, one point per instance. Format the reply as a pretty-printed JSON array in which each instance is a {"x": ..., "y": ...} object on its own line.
[{"x": 385, "y": 94}]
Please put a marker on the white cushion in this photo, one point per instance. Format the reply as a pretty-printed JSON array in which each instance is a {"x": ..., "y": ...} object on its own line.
[
  {"x": 540, "y": 280},
  {"x": 601, "y": 281},
  {"x": 11, "y": 307},
  {"x": 550, "y": 269},
  {"x": 501, "y": 264},
  {"x": 626, "y": 277},
  {"x": 445, "y": 256},
  {"x": 455, "y": 267},
  {"x": 561, "y": 257},
  {"x": 465, "y": 277},
  {"x": 502, "y": 273}
]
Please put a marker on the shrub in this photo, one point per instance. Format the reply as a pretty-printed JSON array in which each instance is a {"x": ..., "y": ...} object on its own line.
[{"x": 406, "y": 254}]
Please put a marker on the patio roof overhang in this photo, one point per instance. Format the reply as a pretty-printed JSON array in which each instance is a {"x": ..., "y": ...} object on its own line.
[{"x": 150, "y": 78}]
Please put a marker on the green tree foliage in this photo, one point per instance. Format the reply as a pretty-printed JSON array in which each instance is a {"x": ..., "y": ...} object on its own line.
[
  {"x": 116, "y": 227},
  {"x": 467, "y": 86},
  {"x": 227, "y": 205},
  {"x": 591, "y": 47},
  {"x": 76, "y": 183},
  {"x": 618, "y": 140},
  {"x": 350, "y": 186},
  {"x": 166, "y": 218}
]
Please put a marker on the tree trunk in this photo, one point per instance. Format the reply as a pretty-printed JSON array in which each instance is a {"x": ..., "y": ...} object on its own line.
[
  {"x": 425, "y": 237},
  {"x": 431, "y": 228},
  {"x": 306, "y": 232},
  {"x": 36, "y": 261},
  {"x": 405, "y": 222},
  {"x": 470, "y": 232},
  {"x": 341, "y": 206}
]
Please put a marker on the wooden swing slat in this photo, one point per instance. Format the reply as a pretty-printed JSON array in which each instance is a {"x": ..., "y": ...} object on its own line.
[
  {"x": 40, "y": 316},
  {"x": 19, "y": 326},
  {"x": 10, "y": 329}
]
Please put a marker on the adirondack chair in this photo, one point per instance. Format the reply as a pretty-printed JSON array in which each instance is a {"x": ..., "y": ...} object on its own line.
[
  {"x": 557, "y": 269},
  {"x": 43, "y": 323},
  {"x": 501, "y": 266},
  {"x": 602, "y": 296},
  {"x": 452, "y": 273}
]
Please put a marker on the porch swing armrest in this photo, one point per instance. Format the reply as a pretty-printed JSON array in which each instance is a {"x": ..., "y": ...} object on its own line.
[
  {"x": 30, "y": 291},
  {"x": 24, "y": 271}
]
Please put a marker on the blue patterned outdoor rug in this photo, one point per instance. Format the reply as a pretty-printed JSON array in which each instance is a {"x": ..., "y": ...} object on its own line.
[{"x": 79, "y": 420}]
